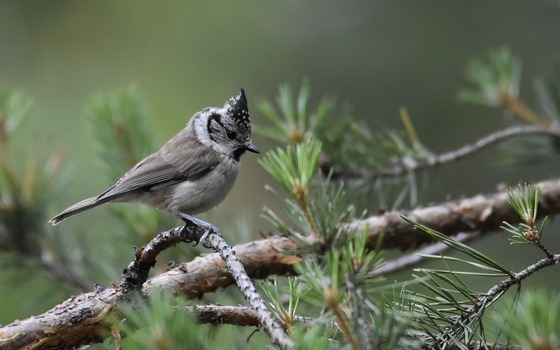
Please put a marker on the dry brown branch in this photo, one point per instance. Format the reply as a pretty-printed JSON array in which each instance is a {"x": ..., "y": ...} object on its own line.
[
  {"x": 206, "y": 273},
  {"x": 74, "y": 322},
  {"x": 222, "y": 314},
  {"x": 235, "y": 315},
  {"x": 482, "y": 213}
]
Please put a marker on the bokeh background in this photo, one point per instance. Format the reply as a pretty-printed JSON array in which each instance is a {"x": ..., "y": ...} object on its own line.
[{"x": 374, "y": 55}]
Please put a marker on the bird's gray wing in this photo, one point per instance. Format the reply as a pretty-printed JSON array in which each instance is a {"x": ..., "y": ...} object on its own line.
[{"x": 164, "y": 167}]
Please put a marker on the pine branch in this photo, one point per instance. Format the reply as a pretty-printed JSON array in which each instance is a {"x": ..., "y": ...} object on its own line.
[
  {"x": 484, "y": 213},
  {"x": 75, "y": 322},
  {"x": 552, "y": 130},
  {"x": 77, "y": 319},
  {"x": 488, "y": 298}
]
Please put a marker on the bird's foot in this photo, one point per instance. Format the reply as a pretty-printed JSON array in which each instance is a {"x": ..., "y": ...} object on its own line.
[{"x": 208, "y": 226}]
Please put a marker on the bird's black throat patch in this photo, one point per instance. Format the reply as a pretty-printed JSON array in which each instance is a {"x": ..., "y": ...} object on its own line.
[{"x": 238, "y": 153}]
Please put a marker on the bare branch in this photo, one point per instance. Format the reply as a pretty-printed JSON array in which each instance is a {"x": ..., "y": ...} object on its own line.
[
  {"x": 223, "y": 314},
  {"x": 137, "y": 271},
  {"x": 481, "y": 213},
  {"x": 74, "y": 322},
  {"x": 235, "y": 267},
  {"x": 136, "y": 274},
  {"x": 234, "y": 315},
  {"x": 552, "y": 130}
]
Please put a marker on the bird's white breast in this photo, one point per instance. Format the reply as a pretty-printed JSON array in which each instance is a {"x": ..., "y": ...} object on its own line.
[{"x": 202, "y": 194}]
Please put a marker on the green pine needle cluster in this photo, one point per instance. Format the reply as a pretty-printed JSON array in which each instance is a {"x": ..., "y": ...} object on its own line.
[
  {"x": 525, "y": 201},
  {"x": 346, "y": 305},
  {"x": 533, "y": 322},
  {"x": 25, "y": 189},
  {"x": 335, "y": 275},
  {"x": 496, "y": 83},
  {"x": 347, "y": 145},
  {"x": 294, "y": 168},
  {"x": 292, "y": 119},
  {"x": 158, "y": 323},
  {"x": 450, "y": 312},
  {"x": 494, "y": 80},
  {"x": 120, "y": 122}
]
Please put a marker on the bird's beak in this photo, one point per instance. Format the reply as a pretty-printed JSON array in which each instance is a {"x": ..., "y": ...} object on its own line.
[{"x": 252, "y": 148}]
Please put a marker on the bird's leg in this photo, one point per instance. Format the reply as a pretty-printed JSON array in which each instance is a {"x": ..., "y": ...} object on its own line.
[{"x": 208, "y": 226}]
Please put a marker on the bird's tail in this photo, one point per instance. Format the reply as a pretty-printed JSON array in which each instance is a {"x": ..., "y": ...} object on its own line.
[{"x": 78, "y": 208}]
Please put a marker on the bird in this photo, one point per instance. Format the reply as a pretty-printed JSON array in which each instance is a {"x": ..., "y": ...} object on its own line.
[{"x": 191, "y": 173}]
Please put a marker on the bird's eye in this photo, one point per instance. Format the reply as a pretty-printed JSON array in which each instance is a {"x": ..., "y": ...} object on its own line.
[{"x": 231, "y": 135}]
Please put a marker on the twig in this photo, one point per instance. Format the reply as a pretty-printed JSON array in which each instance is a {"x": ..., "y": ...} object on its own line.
[
  {"x": 342, "y": 319},
  {"x": 265, "y": 317},
  {"x": 504, "y": 285},
  {"x": 552, "y": 130},
  {"x": 516, "y": 106},
  {"x": 137, "y": 271},
  {"x": 544, "y": 249}
]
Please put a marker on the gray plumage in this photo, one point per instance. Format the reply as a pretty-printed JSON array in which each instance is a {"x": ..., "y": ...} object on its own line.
[{"x": 192, "y": 172}]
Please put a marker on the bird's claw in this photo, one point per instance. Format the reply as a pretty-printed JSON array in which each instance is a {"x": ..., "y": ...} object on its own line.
[
  {"x": 208, "y": 226},
  {"x": 202, "y": 240}
]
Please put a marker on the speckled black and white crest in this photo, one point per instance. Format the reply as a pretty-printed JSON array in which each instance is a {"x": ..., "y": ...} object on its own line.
[{"x": 240, "y": 112}]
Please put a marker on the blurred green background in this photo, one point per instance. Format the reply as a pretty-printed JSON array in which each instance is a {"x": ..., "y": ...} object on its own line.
[{"x": 183, "y": 56}]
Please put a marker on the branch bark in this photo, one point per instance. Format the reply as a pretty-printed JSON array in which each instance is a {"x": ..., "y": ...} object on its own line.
[
  {"x": 207, "y": 273},
  {"x": 267, "y": 320},
  {"x": 482, "y": 213},
  {"x": 235, "y": 315}
]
